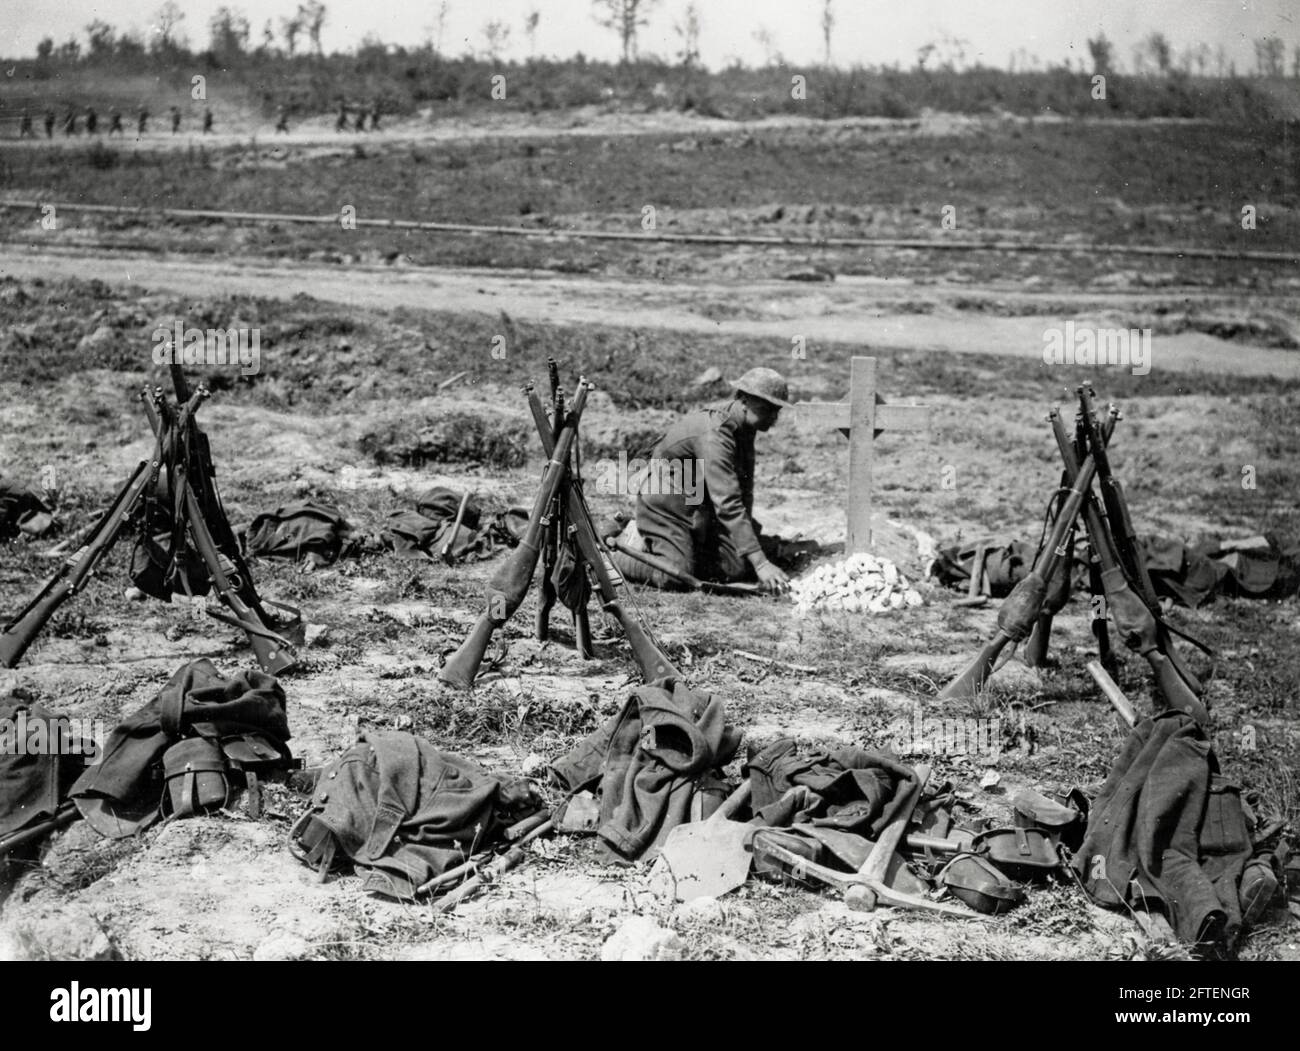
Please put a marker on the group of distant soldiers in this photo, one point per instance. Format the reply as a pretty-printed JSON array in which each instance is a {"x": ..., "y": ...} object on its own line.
[
  {"x": 90, "y": 119},
  {"x": 357, "y": 123},
  {"x": 353, "y": 118}
]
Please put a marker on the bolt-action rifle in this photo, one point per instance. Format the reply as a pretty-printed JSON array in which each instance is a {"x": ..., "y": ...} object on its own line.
[
  {"x": 508, "y": 586},
  {"x": 1136, "y": 624},
  {"x": 1020, "y": 609},
  {"x": 80, "y": 566},
  {"x": 652, "y": 661}
]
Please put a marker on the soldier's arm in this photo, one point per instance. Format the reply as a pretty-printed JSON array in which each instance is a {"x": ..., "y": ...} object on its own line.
[{"x": 726, "y": 492}]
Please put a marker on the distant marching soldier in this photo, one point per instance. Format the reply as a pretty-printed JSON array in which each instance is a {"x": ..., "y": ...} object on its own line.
[
  {"x": 142, "y": 121},
  {"x": 374, "y": 116},
  {"x": 360, "y": 125},
  {"x": 176, "y": 119},
  {"x": 342, "y": 123},
  {"x": 92, "y": 121},
  {"x": 25, "y": 126},
  {"x": 115, "y": 122},
  {"x": 207, "y": 121},
  {"x": 281, "y": 120},
  {"x": 70, "y": 122},
  {"x": 49, "y": 123}
]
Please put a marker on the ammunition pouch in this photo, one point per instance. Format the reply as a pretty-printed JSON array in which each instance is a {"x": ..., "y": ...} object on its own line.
[
  {"x": 202, "y": 774},
  {"x": 1022, "y": 853}
]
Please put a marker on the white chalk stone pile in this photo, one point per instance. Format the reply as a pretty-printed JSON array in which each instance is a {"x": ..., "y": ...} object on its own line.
[{"x": 860, "y": 584}]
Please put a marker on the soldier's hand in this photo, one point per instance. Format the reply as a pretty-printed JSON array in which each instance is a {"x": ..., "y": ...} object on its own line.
[{"x": 772, "y": 577}]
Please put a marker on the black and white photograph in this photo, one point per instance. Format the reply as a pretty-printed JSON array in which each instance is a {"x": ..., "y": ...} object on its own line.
[{"x": 651, "y": 480}]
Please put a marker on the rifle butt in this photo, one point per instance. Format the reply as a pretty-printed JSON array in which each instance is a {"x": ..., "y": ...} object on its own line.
[
  {"x": 462, "y": 667},
  {"x": 549, "y": 596},
  {"x": 973, "y": 677},
  {"x": 649, "y": 658},
  {"x": 582, "y": 634},
  {"x": 1039, "y": 638}
]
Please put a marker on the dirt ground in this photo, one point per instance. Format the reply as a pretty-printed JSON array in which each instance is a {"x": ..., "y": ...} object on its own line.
[{"x": 356, "y": 348}]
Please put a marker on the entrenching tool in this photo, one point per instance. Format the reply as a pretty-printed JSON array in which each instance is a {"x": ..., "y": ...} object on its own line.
[
  {"x": 455, "y": 529},
  {"x": 869, "y": 886},
  {"x": 975, "y": 590},
  {"x": 680, "y": 576},
  {"x": 703, "y": 859}
]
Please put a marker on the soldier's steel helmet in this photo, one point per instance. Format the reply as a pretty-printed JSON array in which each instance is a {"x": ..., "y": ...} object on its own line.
[{"x": 767, "y": 384}]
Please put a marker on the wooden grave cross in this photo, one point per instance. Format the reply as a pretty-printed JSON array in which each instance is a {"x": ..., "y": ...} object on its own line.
[{"x": 860, "y": 419}]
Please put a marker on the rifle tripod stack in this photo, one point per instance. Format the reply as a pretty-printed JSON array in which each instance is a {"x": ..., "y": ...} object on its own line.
[
  {"x": 562, "y": 535},
  {"x": 1118, "y": 575},
  {"x": 174, "y": 489}
]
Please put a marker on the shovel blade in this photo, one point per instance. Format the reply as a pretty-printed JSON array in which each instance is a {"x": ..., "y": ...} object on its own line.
[{"x": 703, "y": 859}]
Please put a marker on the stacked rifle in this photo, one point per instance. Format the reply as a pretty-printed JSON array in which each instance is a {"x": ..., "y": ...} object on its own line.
[
  {"x": 175, "y": 486},
  {"x": 1118, "y": 577},
  {"x": 562, "y": 535}
]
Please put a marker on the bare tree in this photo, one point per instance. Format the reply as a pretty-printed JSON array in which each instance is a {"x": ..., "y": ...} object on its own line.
[
  {"x": 230, "y": 30},
  {"x": 1201, "y": 56},
  {"x": 1270, "y": 56},
  {"x": 828, "y": 27},
  {"x": 771, "y": 54},
  {"x": 289, "y": 29},
  {"x": 625, "y": 17},
  {"x": 442, "y": 25},
  {"x": 688, "y": 31},
  {"x": 496, "y": 34},
  {"x": 923, "y": 55},
  {"x": 1161, "y": 51},
  {"x": 312, "y": 16},
  {"x": 1221, "y": 60},
  {"x": 100, "y": 37},
  {"x": 1102, "y": 52},
  {"x": 1295, "y": 62},
  {"x": 530, "y": 30},
  {"x": 166, "y": 19}
]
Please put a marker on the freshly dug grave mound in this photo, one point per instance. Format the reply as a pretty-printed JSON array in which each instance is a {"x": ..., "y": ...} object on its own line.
[{"x": 862, "y": 583}]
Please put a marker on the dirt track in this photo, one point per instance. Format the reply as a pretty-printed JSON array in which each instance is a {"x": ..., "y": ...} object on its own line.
[{"x": 848, "y": 311}]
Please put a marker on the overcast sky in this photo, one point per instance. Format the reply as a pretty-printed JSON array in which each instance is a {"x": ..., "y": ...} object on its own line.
[{"x": 866, "y": 31}]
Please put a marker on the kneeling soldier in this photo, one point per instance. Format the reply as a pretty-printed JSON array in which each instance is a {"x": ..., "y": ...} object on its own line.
[{"x": 707, "y": 529}]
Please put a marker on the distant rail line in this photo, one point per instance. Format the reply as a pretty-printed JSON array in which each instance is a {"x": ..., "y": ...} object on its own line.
[{"x": 651, "y": 236}]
